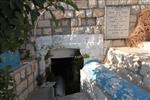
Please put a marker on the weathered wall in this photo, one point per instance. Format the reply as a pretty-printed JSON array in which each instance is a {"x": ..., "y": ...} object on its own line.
[
  {"x": 25, "y": 78},
  {"x": 90, "y": 19}
]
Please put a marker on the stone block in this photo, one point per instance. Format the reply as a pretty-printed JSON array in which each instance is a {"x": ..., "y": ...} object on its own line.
[
  {"x": 39, "y": 31},
  {"x": 91, "y": 21},
  {"x": 133, "y": 18},
  {"x": 118, "y": 43},
  {"x": 58, "y": 30},
  {"x": 132, "y": 27},
  {"x": 74, "y": 22},
  {"x": 25, "y": 94},
  {"x": 30, "y": 88},
  {"x": 101, "y": 3},
  {"x": 135, "y": 10},
  {"x": 92, "y": 3},
  {"x": 17, "y": 78},
  {"x": 47, "y": 31},
  {"x": 23, "y": 75},
  {"x": 97, "y": 29},
  {"x": 82, "y": 3},
  {"x": 83, "y": 21},
  {"x": 98, "y": 12},
  {"x": 107, "y": 43},
  {"x": 100, "y": 21},
  {"x": 44, "y": 23},
  {"x": 58, "y": 14},
  {"x": 28, "y": 70},
  {"x": 112, "y": 2},
  {"x": 89, "y": 13},
  {"x": 80, "y": 13},
  {"x": 22, "y": 86},
  {"x": 89, "y": 30},
  {"x": 65, "y": 23},
  {"x": 30, "y": 79},
  {"x": 69, "y": 14},
  {"x": 78, "y": 30},
  {"x": 132, "y": 2},
  {"x": 47, "y": 15},
  {"x": 144, "y": 1}
]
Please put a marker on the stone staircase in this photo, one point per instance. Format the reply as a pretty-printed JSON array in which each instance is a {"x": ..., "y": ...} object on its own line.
[{"x": 76, "y": 96}]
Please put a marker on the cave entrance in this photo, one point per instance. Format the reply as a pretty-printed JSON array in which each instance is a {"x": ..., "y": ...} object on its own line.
[{"x": 68, "y": 69}]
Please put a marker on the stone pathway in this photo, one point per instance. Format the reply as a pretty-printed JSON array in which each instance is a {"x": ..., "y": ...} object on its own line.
[{"x": 76, "y": 96}]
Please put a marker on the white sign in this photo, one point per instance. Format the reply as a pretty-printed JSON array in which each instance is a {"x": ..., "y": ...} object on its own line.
[{"x": 117, "y": 22}]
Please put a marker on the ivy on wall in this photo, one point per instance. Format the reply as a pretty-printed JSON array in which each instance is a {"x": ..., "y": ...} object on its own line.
[{"x": 15, "y": 23}]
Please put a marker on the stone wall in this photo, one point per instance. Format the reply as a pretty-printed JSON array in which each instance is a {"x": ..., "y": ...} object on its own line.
[
  {"x": 25, "y": 78},
  {"x": 90, "y": 19}
]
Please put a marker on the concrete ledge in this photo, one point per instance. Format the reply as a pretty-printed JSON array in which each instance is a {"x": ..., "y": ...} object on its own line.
[{"x": 110, "y": 83}]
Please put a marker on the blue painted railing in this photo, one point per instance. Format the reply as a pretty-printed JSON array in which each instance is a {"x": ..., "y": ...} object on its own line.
[
  {"x": 10, "y": 58},
  {"x": 115, "y": 86}
]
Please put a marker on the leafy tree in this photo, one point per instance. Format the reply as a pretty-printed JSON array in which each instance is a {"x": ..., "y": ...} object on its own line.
[{"x": 15, "y": 25}]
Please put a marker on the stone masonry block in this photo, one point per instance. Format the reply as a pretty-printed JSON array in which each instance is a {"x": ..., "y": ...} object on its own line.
[
  {"x": 97, "y": 29},
  {"x": 132, "y": 2},
  {"x": 133, "y": 18},
  {"x": 28, "y": 70},
  {"x": 83, "y": 21},
  {"x": 101, "y": 3},
  {"x": 47, "y": 31},
  {"x": 69, "y": 14},
  {"x": 89, "y": 13},
  {"x": 89, "y": 30},
  {"x": 80, "y": 13},
  {"x": 92, "y": 3},
  {"x": 118, "y": 43},
  {"x": 47, "y": 15},
  {"x": 144, "y": 1},
  {"x": 74, "y": 22},
  {"x": 17, "y": 78},
  {"x": 30, "y": 79},
  {"x": 23, "y": 74},
  {"x": 58, "y": 14},
  {"x": 100, "y": 21},
  {"x": 78, "y": 30},
  {"x": 22, "y": 86},
  {"x": 98, "y": 12},
  {"x": 82, "y": 3},
  {"x": 135, "y": 9},
  {"x": 44, "y": 23},
  {"x": 30, "y": 88},
  {"x": 91, "y": 21}
]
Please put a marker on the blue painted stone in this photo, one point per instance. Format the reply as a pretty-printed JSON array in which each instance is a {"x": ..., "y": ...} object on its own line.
[
  {"x": 10, "y": 58},
  {"x": 115, "y": 86}
]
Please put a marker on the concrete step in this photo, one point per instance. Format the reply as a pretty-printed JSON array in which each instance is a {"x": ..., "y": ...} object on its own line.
[{"x": 76, "y": 96}]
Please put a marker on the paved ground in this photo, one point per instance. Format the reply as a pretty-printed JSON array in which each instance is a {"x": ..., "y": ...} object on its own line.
[{"x": 76, "y": 96}]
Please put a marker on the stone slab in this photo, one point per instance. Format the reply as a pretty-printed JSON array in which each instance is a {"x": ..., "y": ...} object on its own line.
[{"x": 117, "y": 22}]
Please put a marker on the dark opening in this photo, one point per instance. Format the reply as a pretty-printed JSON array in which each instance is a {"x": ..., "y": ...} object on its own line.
[{"x": 69, "y": 69}]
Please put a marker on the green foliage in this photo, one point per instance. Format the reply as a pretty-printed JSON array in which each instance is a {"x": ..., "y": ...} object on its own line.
[
  {"x": 7, "y": 85},
  {"x": 15, "y": 25}
]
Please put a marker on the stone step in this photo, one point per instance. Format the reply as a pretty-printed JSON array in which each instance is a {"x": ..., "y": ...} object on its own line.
[
  {"x": 131, "y": 63},
  {"x": 76, "y": 96}
]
